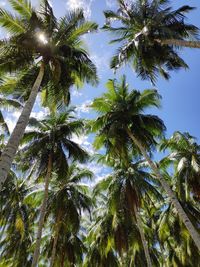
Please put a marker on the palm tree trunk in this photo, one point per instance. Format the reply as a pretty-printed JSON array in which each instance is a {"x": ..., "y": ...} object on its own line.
[
  {"x": 58, "y": 224},
  {"x": 176, "y": 42},
  {"x": 144, "y": 242},
  {"x": 172, "y": 196},
  {"x": 14, "y": 140},
  {"x": 63, "y": 260},
  {"x": 42, "y": 214}
]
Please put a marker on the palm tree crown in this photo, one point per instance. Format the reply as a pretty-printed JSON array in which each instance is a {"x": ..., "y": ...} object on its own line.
[
  {"x": 39, "y": 35},
  {"x": 53, "y": 135},
  {"x": 120, "y": 110},
  {"x": 145, "y": 28},
  {"x": 185, "y": 153}
]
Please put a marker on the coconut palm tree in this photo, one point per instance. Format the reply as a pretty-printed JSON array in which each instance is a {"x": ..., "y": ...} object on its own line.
[
  {"x": 50, "y": 146},
  {"x": 15, "y": 223},
  {"x": 178, "y": 249},
  {"x": 51, "y": 48},
  {"x": 68, "y": 197},
  {"x": 104, "y": 241},
  {"x": 122, "y": 122},
  {"x": 185, "y": 154},
  {"x": 150, "y": 33},
  {"x": 112, "y": 238},
  {"x": 127, "y": 188}
]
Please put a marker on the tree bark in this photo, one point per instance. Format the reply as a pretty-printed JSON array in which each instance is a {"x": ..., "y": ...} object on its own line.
[
  {"x": 177, "y": 42},
  {"x": 14, "y": 140},
  {"x": 58, "y": 224},
  {"x": 144, "y": 242},
  {"x": 42, "y": 214},
  {"x": 172, "y": 196}
]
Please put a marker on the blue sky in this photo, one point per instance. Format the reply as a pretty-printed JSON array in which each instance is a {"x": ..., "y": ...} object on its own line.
[{"x": 180, "y": 95}]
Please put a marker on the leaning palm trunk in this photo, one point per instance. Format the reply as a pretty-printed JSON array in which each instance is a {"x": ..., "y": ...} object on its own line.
[
  {"x": 13, "y": 143},
  {"x": 180, "y": 43},
  {"x": 172, "y": 196},
  {"x": 144, "y": 242},
  {"x": 55, "y": 241},
  {"x": 42, "y": 214}
]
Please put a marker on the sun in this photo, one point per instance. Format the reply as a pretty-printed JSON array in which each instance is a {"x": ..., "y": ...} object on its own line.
[{"x": 42, "y": 38}]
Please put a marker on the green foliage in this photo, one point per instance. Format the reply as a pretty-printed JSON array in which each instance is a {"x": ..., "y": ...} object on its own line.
[
  {"x": 53, "y": 135},
  {"x": 142, "y": 27},
  {"x": 95, "y": 220},
  {"x": 120, "y": 110},
  {"x": 56, "y": 42},
  {"x": 185, "y": 155}
]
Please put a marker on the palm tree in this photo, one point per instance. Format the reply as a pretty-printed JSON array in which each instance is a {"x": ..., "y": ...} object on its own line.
[
  {"x": 176, "y": 243},
  {"x": 150, "y": 33},
  {"x": 185, "y": 154},
  {"x": 127, "y": 187},
  {"x": 67, "y": 199},
  {"x": 55, "y": 46},
  {"x": 101, "y": 238},
  {"x": 49, "y": 144},
  {"x": 16, "y": 216},
  {"x": 122, "y": 122}
]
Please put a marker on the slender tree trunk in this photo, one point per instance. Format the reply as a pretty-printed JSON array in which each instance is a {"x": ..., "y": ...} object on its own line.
[
  {"x": 144, "y": 242},
  {"x": 172, "y": 196},
  {"x": 42, "y": 214},
  {"x": 177, "y": 42},
  {"x": 63, "y": 260},
  {"x": 14, "y": 140},
  {"x": 58, "y": 224}
]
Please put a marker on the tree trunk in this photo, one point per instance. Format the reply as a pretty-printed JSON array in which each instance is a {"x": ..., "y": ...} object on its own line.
[
  {"x": 14, "y": 140},
  {"x": 58, "y": 224},
  {"x": 177, "y": 42},
  {"x": 63, "y": 260},
  {"x": 42, "y": 214},
  {"x": 172, "y": 196},
  {"x": 144, "y": 242}
]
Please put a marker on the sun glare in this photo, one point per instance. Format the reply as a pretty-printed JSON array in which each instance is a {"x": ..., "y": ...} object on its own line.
[{"x": 42, "y": 38}]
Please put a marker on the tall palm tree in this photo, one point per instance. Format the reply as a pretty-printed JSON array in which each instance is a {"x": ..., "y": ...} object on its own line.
[
  {"x": 50, "y": 145},
  {"x": 55, "y": 46},
  {"x": 149, "y": 33},
  {"x": 185, "y": 154},
  {"x": 68, "y": 197},
  {"x": 127, "y": 187},
  {"x": 122, "y": 122}
]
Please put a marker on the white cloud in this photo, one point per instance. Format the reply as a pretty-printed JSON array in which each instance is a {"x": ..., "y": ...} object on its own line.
[
  {"x": 84, "y": 142},
  {"x": 84, "y": 107},
  {"x": 11, "y": 119},
  {"x": 102, "y": 63},
  {"x": 84, "y": 4},
  {"x": 111, "y": 3},
  {"x": 76, "y": 93},
  {"x": 39, "y": 115}
]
